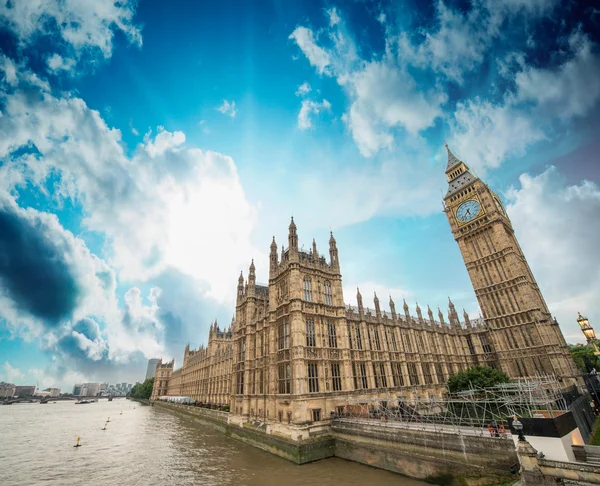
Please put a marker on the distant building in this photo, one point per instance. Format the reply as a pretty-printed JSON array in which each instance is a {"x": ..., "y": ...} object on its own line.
[
  {"x": 7, "y": 390},
  {"x": 24, "y": 391},
  {"x": 150, "y": 372},
  {"x": 77, "y": 390},
  {"x": 54, "y": 392},
  {"x": 89, "y": 389}
]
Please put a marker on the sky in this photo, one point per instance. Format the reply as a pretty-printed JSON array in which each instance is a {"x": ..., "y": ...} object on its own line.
[{"x": 150, "y": 150}]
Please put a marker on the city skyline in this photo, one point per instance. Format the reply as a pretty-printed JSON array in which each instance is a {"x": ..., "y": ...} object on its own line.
[{"x": 149, "y": 156}]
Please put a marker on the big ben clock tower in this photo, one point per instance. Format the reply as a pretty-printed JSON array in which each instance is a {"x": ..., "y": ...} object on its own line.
[{"x": 527, "y": 341}]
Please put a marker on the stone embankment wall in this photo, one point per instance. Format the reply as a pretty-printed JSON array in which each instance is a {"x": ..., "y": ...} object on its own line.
[
  {"x": 439, "y": 458},
  {"x": 435, "y": 457}
]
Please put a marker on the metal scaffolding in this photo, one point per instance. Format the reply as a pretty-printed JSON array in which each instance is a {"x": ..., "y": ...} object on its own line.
[{"x": 478, "y": 411}]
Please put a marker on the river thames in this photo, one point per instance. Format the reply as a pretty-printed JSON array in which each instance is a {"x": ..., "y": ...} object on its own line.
[{"x": 147, "y": 446}]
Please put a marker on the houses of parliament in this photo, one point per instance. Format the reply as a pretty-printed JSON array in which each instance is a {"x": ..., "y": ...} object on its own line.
[{"x": 295, "y": 351}]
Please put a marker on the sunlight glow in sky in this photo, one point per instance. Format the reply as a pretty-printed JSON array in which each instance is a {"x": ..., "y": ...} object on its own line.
[{"x": 149, "y": 150}]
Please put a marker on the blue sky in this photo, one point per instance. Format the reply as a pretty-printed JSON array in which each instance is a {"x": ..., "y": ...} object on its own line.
[{"x": 149, "y": 150}]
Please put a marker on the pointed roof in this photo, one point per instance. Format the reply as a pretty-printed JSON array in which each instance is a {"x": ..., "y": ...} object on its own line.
[{"x": 452, "y": 160}]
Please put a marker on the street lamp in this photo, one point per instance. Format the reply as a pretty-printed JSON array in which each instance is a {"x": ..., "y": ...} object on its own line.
[
  {"x": 588, "y": 332},
  {"x": 518, "y": 426}
]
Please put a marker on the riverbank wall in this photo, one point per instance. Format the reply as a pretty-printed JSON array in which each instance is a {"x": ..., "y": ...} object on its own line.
[{"x": 447, "y": 459}]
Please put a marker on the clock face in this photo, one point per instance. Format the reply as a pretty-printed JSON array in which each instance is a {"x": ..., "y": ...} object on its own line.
[{"x": 468, "y": 211}]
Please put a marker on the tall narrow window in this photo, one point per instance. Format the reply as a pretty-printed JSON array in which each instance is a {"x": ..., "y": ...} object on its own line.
[
  {"x": 240, "y": 382},
  {"x": 470, "y": 345},
  {"x": 310, "y": 333},
  {"x": 328, "y": 295},
  {"x": 393, "y": 336},
  {"x": 376, "y": 375},
  {"x": 377, "y": 342},
  {"x": 313, "y": 378},
  {"x": 331, "y": 334},
  {"x": 261, "y": 387},
  {"x": 336, "y": 379},
  {"x": 284, "y": 378},
  {"x": 397, "y": 374},
  {"x": 308, "y": 289},
  {"x": 283, "y": 335},
  {"x": 382, "y": 375},
  {"x": 242, "y": 350},
  {"x": 358, "y": 338},
  {"x": 412, "y": 374},
  {"x": 355, "y": 376},
  {"x": 349, "y": 335},
  {"x": 427, "y": 373},
  {"x": 363, "y": 375}
]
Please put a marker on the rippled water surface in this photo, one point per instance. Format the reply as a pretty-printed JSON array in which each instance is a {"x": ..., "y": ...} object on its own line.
[{"x": 148, "y": 446}]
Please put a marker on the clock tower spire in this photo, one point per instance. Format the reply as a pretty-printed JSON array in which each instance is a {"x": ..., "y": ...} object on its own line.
[{"x": 525, "y": 341}]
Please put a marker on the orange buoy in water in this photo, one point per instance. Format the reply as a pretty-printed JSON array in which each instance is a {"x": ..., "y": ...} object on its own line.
[{"x": 78, "y": 444}]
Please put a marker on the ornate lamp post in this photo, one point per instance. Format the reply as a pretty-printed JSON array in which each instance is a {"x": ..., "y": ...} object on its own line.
[
  {"x": 518, "y": 426},
  {"x": 588, "y": 332}
]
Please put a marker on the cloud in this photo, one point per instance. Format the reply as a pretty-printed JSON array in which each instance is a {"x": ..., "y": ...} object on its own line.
[
  {"x": 303, "y": 89},
  {"x": 309, "y": 108},
  {"x": 317, "y": 56},
  {"x": 35, "y": 271},
  {"x": 151, "y": 207},
  {"x": 80, "y": 26},
  {"x": 558, "y": 229},
  {"x": 10, "y": 374},
  {"x": 384, "y": 96},
  {"x": 486, "y": 133},
  {"x": 228, "y": 108},
  {"x": 568, "y": 90},
  {"x": 57, "y": 63}
]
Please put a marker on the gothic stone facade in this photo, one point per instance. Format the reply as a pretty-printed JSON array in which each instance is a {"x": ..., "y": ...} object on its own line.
[{"x": 297, "y": 352}]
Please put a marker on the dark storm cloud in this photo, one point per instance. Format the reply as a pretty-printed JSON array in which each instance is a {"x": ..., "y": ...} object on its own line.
[{"x": 33, "y": 270}]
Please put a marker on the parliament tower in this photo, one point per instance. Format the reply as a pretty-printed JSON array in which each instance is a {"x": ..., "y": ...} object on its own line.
[{"x": 525, "y": 337}]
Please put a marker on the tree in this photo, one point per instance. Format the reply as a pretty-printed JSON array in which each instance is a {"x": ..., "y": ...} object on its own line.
[
  {"x": 476, "y": 377},
  {"x": 143, "y": 390},
  {"x": 584, "y": 357}
]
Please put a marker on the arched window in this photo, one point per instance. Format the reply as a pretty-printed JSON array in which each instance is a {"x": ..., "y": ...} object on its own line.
[
  {"x": 328, "y": 296},
  {"x": 308, "y": 289}
]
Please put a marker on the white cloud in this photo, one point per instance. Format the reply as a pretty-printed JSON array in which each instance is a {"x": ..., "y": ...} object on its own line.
[
  {"x": 368, "y": 291},
  {"x": 317, "y": 56},
  {"x": 485, "y": 134},
  {"x": 228, "y": 108},
  {"x": 154, "y": 208},
  {"x": 384, "y": 96},
  {"x": 558, "y": 228},
  {"x": 81, "y": 25},
  {"x": 303, "y": 89},
  {"x": 57, "y": 63},
  {"x": 10, "y": 374},
  {"x": 309, "y": 108},
  {"x": 334, "y": 18},
  {"x": 8, "y": 68},
  {"x": 569, "y": 90}
]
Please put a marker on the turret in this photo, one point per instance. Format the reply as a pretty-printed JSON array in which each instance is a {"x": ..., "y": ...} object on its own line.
[
  {"x": 252, "y": 279},
  {"x": 441, "y": 316},
  {"x": 419, "y": 314},
  {"x": 392, "y": 308},
  {"x": 315, "y": 253},
  {"x": 453, "y": 315},
  {"x": 333, "y": 251},
  {"x": 430, "y": 314},
  {"x": 377, "y": 308},
  {"x": 292, "y": 240},
  {"x": 466, "y": 318},
  {"x": 406, "y": 312},
  {"x": 240, "y": 288},
  {"x": 273, "y": 258},
  {"x": 359, "y": 301}
]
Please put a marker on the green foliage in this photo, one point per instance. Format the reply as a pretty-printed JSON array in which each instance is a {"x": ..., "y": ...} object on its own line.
[
  {"x": 595, "y": 437},
  {"x": 143, "y": 390},
  {"x": 476, "y": 377},
  {"x": 584, "y": 358}
]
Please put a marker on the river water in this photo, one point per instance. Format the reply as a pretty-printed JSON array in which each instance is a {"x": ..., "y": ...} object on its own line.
[{"x": 148, "y": 446}]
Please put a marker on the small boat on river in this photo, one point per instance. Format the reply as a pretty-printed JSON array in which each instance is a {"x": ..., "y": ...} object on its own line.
[{"x": 82, "y": 402}]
